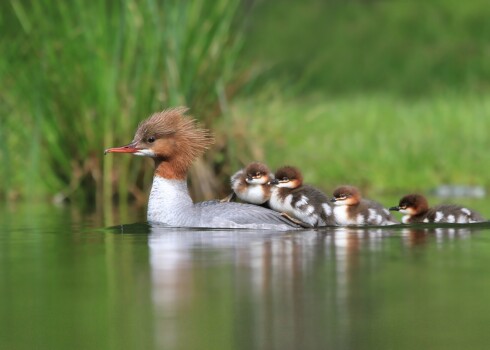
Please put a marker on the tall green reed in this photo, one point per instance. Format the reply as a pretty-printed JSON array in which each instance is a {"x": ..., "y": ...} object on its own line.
[{"x": 78, "y": 77}]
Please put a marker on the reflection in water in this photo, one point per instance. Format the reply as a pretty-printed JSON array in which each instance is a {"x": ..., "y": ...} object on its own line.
[
  {"x": 206, "y": 270},
  {"x": 140, "y": 287},
  {"x": 282, "y": 290},
  {"x": 419, "y": 236}
]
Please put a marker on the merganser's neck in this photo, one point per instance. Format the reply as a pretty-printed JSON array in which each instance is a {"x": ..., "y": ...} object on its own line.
[
  {"x": 169, "y": 201},
  {"x": 175, "y": 168},
  {"x": 169, "y": 197}
]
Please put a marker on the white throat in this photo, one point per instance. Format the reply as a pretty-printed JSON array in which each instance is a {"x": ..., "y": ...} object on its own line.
[
  {"x": 169, "y": 201},
  {"x": 341, "y": 213}
]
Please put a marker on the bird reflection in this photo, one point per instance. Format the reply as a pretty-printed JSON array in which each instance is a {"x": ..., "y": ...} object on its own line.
[
  {"x": 419, "y": 236},
  {"x": 273, "y": 283}
]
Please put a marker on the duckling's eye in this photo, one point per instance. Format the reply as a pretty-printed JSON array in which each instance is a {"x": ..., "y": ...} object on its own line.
[
  {"x": 151, "y": 139},
  {"x": 285, "y": 179},
  {"x": 257, "y": 174}
]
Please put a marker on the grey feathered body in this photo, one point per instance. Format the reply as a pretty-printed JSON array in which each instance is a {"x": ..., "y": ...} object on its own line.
[{"x": 170, "y": 204}]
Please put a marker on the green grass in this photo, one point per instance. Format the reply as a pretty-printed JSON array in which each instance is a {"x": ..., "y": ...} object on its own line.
[
  {"x": 407, "y": 47},
  {"x": 78, "y": 77},
  {"x": 390, "y": 96},
  {"x": 381, "y": 143}
]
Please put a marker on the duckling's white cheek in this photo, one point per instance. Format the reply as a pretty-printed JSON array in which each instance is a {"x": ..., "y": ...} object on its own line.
[
  {"x": 405, "y": 211},
  {"x": 339, "y": 202},
  {"x": 145, "y": 153}
]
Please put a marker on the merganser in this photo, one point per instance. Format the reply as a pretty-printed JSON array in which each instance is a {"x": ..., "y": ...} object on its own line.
[
  {"x": 417, "y": 210},
  {"x": 303, "y": 202},
  {"x": 351, "y": 209},
  {"x": 174, "y": 140},
  {"x": 251, "y": 184}
]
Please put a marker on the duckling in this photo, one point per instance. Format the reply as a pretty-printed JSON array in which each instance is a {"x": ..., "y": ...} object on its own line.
[
  {"x": 302, "y": 202},
  {"x": 351, "y": 209},
  {"x": 417, "y": 210},
  {"x": 251, "y": 184}
]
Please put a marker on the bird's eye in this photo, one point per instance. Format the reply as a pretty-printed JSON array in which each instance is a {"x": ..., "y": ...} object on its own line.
[
  {"x": 285, "y": 179},
  {"x": 151, "y": 139},
  {"x": 257, "y": 174}
]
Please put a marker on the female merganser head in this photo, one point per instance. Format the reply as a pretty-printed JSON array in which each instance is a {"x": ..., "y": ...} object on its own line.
[
  {"x": 302, "y": 202},
  {"x": 174, "y": 141},
  {"x": 351, "y": 209},
  {"x": 171, "y": 139},
  {"x": 251, "y": 184},
  {"x": 417, "y": 210}
]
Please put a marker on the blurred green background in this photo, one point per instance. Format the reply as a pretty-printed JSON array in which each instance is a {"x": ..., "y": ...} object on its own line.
[{"x": 388, "y": 96}]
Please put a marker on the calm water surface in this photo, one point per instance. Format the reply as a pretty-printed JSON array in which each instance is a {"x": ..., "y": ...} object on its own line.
[{"x": 67, "y": 283}]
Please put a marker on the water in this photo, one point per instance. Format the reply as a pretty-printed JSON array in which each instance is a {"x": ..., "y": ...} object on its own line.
[{"x": 65, "y": 283}]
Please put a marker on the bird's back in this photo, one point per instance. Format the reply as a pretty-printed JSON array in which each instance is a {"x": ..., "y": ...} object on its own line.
[
  {"x": 239, "y": 215},
  {"x": 448, "y": 213}
]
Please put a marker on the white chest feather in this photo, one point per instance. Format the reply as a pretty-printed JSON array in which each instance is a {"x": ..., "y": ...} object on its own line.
[
  {"x": 255, "y": 194},
  {"x": 279, "y": 203},
  {"x": 406, "y": 218},
  {"x": 169, "y": 201},
  {"x": 342, "y": 216}
]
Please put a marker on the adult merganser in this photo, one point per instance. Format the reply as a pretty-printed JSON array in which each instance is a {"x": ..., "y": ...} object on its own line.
[
  {"x": 174, "y": 140},
  {"x": 251, "y": 184},
  {"x": 417, "y": 210},
  {"x": 303, "y": 202},
  {"x": 351, "y": 209}
]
